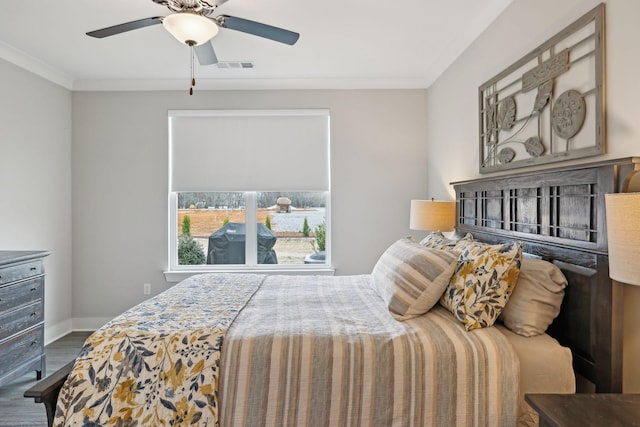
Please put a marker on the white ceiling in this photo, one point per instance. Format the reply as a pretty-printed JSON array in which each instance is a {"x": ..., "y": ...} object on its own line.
[{"x": 343, "y": 44}]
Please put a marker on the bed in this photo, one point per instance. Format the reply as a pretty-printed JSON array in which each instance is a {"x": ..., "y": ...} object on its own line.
[{"x": 345, "y": 350}]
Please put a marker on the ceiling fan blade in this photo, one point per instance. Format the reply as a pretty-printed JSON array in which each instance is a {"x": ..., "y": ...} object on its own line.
[
  {"x": 205, "y": 53},
  {"x": 127, "y": 26},
  {"x": 258, "y": 29}
]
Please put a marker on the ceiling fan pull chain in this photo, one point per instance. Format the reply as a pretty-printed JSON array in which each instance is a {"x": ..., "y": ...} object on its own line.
[{"x": 193, "y": 79}]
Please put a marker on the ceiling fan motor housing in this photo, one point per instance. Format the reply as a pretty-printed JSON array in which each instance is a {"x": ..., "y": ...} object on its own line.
[{"x": 202, "y": 7}]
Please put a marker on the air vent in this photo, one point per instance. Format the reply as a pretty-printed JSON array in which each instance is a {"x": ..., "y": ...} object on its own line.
[{"x": 235, "y": 64}]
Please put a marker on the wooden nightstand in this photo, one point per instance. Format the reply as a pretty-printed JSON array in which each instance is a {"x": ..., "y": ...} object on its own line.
[{"x": 582, "y": 409}]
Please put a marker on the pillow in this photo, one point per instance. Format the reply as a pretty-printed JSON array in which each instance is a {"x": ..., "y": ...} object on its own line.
[
  {"x": 411, "y": 278},
  {"x": 437, "y": 240},
  {"x": 484, "y": 278},
  {"x": 536, "y": 299}
]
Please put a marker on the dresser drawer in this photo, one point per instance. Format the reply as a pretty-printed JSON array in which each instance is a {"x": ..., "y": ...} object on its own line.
[
  {"x": 19, "y": 349},
  {"x": 22, "y": 271},
  {"x": 18, "y": 320},
  {"x": 17, "y": 294}
]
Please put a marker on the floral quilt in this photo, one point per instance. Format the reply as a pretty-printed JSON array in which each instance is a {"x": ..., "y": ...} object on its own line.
[{"x": 158, "y": 363}]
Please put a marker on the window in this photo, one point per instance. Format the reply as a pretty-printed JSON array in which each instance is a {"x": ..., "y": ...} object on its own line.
[{"x": 249, "y": 190}]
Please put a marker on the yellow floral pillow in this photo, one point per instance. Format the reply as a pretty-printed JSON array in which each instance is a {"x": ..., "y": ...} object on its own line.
[
  {"x": 437, "y": 240},
  {"x": 484, "y": 278}
]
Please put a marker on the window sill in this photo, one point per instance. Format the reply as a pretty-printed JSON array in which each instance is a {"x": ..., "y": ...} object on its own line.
[{"x": 174, "y": 276}]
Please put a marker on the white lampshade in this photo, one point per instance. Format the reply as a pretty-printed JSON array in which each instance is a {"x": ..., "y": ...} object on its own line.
[
  {"x": 190, "y": 28},
  {"x": 432, "y": 215},
  {"x": 623, "y": 233}
]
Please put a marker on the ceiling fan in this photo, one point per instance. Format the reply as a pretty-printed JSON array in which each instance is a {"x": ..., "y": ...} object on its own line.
[{"x": 192, "y": 22}]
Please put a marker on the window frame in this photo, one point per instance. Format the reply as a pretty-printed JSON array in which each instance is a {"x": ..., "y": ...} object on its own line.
[{"x": 177, "y": 272}]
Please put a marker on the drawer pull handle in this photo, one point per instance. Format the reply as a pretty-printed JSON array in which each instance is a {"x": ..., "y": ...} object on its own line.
[
  {"x": 34, "y": 268},
  {"x": 34, "y": 314},
  {"x": 34, "y": 343},
  {"x": 34, "y": 289}
]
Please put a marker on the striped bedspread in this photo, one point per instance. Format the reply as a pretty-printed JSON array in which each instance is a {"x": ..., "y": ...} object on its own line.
[{"x": 324, "y": 351}]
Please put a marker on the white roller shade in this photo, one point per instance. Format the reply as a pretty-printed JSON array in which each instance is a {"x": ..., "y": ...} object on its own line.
[{"x": 256, "y": 150}]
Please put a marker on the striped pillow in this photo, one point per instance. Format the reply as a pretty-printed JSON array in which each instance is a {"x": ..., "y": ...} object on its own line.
[{"x": 411, "y": 278}]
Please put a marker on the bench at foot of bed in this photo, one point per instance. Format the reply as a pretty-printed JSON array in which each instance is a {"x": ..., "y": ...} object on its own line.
[{"x": 47, "y": 390}]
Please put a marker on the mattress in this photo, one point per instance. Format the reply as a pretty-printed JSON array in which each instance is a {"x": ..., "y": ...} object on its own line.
[{"x": 545, "y": 365}]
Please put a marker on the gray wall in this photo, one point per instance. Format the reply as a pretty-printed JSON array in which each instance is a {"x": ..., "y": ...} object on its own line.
[
  {"x": 378, "y": 163},
  {"x": 387, "y": 146},
  {"x": 452, "y": 131},
  {"x": 35, "y": 181}
]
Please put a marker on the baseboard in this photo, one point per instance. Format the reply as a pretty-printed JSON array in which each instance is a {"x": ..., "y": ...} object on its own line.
[
  {"x": 89, "y": 323},
  {"x": 56, "y": 331},
  {"x": 77, "y": 324}
]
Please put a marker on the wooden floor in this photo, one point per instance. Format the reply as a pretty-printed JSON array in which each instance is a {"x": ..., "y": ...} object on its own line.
[{"x": 18, "y": 411}]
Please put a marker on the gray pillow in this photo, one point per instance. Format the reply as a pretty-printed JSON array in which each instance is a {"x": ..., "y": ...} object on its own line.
[{"x": 536, "y": 298}]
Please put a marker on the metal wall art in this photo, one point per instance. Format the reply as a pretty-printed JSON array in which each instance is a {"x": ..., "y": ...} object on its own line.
[{"x": 548, "y": 106}]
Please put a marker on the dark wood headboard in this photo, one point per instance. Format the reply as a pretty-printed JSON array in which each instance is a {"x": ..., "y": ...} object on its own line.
[{"x": 559, "y": 215}]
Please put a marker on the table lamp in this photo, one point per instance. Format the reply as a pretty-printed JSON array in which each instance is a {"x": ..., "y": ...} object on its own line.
[
  {"x": 432, "y": 215},
  {"x": 623, "y": 232}
]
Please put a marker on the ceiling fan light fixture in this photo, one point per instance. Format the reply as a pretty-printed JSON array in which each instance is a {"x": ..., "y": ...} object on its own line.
[{"x": 190, "y": 28}]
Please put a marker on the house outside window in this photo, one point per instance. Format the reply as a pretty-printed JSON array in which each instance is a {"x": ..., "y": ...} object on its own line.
[{"x": 249, "y": 191}]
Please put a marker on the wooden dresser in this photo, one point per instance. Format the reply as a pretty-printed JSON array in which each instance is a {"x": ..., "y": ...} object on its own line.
[{"x": 21, "y": 314}]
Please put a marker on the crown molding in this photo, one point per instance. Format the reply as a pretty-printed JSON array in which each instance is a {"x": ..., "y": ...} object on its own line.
[
  {"x": 35, "y": 66},
  {"x": 249, "y": 84}
]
